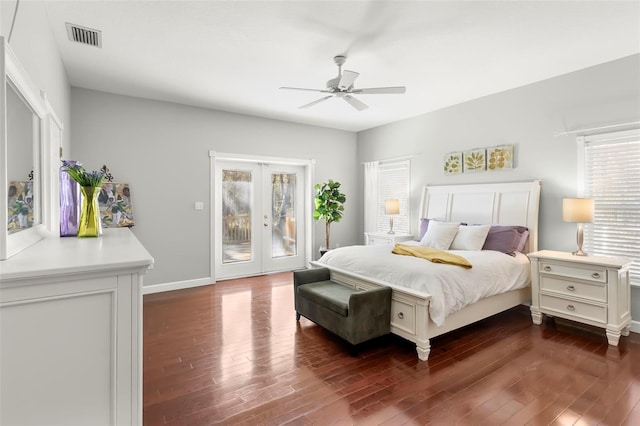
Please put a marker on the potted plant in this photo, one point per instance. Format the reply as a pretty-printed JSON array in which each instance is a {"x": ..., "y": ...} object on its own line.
[{"x": 328, "y": 205}]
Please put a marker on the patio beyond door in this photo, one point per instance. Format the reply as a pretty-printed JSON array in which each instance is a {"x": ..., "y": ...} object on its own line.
[{"x": 259, "y": 218}]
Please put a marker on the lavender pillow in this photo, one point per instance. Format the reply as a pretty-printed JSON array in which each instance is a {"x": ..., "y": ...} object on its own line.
[
  {"x": 524, "y": 236},
  {"x": 424, "y": 225},
  {"x": 506, "y": 239}
]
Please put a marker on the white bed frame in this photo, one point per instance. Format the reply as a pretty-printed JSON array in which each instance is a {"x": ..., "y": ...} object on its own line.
[{"x": 488, "y": 203}]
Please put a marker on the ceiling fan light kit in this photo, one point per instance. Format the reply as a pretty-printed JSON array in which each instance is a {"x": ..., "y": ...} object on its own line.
[{"x": 342, "y": 87}]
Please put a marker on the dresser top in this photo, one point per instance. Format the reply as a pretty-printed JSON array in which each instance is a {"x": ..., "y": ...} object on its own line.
[
  {"x": 616, "y": 262},
  {"x": 116, "y": 249}
]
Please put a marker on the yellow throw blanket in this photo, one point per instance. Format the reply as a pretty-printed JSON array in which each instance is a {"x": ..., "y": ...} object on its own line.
[{"x": 432, "y": 254}]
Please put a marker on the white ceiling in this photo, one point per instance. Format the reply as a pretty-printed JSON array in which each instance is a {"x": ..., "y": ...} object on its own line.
[{"x": 234, "y": 55}]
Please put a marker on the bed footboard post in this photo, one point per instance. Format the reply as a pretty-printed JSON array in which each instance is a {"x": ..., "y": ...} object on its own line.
[
  {"x": 423, "y": 345},
  {"x": 423, "y": 349}
]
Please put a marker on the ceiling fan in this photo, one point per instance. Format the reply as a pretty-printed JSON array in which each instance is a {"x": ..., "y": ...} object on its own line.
[{"x": 342, "y": 87}]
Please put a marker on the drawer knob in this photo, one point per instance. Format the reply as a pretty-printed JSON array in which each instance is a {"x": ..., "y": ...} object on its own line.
[
  {"x": 571, "y": 288},
  {"x": 595, "y": 275},
  {"x": 400, "y": 315},
  {"x": 547, "y": 268},
  {"x": 571, "y": 308}
]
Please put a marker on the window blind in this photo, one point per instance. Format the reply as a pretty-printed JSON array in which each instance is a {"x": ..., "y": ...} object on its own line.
[
  {"x": 612, "y": 179},
  {"x": 393, "y": 184}
]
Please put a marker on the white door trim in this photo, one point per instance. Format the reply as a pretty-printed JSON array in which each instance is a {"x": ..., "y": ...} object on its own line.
[{"x": 309, "y": 167}]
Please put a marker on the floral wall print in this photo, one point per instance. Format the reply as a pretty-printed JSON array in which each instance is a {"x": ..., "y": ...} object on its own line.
[
  {"x": 20, "y": 206},
  {"x": 115, "y": 205},
  {"x": 453, "y": 163},
  {"x": 475, "y": 161},
  {"x": 500, "y": 158}
]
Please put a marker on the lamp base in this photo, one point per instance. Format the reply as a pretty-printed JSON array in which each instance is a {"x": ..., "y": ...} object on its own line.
[
  {"x": 390, "y": 225},
  {"x": 390, "y": 231},
  {"x": 580, "y": 241}
]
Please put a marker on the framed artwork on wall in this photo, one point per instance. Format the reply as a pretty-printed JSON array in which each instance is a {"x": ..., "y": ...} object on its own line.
[
  {"x": 474, "y": 160},
  {"x": 115, "y": 205},
  {"x": 453, "y": 163},
  {"x": 500, "y": 158}
]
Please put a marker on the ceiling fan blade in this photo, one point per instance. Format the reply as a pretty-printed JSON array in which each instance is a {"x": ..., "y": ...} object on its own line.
[
  {"x": 347, "y": 79},
  {"x": 307, "y": 90},
  {"x": 380, "y": 90},
  {"x": 315, "y": 102},
  {"x": 355, "y": 103}
]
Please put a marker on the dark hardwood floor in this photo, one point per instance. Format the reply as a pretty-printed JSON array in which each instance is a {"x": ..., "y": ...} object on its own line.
[{"x": 233, "y": 353}]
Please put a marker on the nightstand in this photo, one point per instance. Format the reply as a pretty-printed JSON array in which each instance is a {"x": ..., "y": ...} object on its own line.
[
  {"x": 384, "y": 238},
  {"x": 589, "y": 289}
]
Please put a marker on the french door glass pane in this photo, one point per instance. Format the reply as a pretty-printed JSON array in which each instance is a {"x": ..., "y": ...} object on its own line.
[
  {"x": 283, "y": 207},
  {"x": 236, "y": 216}
]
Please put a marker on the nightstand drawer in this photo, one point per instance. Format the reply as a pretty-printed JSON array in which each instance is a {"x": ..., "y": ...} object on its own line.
[
  {"x": 572, "y": 308},
  {"x": 596, "y": 292},
  {"x": 377, "y": 241},
  {"x": 589, "y": 273},
  {"x": 403, "y": 316}
]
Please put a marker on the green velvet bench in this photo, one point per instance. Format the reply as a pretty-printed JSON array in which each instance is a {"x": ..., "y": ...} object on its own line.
[{"x": 354, "y": 315}]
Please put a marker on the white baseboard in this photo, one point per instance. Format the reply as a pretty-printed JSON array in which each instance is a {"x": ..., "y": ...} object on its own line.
[
  {"x": 177, "y": 285},
  {"x": 635, "y": 326}
]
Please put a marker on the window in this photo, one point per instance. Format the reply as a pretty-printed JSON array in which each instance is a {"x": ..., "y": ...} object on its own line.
[
  {"x": 611, "y": 176},
  {"x": 387, "y": 180}
]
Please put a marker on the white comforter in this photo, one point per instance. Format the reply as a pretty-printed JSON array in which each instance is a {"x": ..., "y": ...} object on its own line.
[{"x": 451, "y": 287}]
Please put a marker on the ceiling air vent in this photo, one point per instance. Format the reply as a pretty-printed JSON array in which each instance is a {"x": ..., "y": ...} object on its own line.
[{"x": 84, "y": 35}]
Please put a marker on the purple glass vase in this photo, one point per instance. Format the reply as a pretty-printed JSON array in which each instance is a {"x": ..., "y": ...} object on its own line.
[{"x": 69, "y": 203}]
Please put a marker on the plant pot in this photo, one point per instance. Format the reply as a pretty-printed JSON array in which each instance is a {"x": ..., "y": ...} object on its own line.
[
  {"x": 22, "y": 220},
  {"x": 116, "y": 219}
]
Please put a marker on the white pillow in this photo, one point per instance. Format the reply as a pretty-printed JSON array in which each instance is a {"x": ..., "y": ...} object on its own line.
[
  {"x": 439, "y": 235},
  {"x": 470, "y": 237}
]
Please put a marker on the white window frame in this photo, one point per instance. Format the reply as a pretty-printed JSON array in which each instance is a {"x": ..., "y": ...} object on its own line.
[
  {"x": 624, "y": 244},
  {"x": 402, "y": 171}
]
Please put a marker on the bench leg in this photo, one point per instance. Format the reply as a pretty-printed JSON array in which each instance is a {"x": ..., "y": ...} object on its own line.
[
  {"x": 354, "y": 350},
  {"x": 297, "y": 316}
]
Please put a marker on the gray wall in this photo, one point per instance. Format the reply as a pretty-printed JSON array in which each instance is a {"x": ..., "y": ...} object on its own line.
[
  {"x": 162, "y": 150},
  {"x": 527, "y": 117}
]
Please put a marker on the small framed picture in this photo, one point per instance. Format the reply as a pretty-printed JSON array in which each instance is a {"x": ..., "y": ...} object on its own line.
[
  {"x": 474, "y": 160},
  {"x": 115, "y": 205},
  {"x": 453, "y": 163},
  {"x": 500, "y": 158}
]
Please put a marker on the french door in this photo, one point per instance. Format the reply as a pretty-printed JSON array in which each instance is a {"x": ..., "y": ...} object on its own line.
[{"x": 259, "y": 222}]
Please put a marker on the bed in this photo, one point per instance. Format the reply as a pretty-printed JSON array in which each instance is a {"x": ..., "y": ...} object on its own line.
[{"x": 417, "y": 313}]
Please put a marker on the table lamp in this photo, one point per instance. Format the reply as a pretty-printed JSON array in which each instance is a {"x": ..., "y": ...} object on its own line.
[
  {"x": 391, "y": 207},
  {"x": 580, "y": 211}
]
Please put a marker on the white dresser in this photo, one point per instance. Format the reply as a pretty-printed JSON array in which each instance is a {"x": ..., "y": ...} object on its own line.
[
  {"x": 71, "y": 331},
  {"x": 589, "y": 289},
  {"x": 384, "y": 238}
]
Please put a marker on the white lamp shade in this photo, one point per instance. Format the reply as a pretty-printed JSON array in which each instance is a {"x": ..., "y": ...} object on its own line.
[
  {"x": 392, "y": 207},
  {"x": 578, "y": 210}
]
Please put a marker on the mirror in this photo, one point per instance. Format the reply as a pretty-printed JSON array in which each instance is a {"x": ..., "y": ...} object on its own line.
[
  {"x": 20, "y": 164},
  {"x": 21, "y": 144}
]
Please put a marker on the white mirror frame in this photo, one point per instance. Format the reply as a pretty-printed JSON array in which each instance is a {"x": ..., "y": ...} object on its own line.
[
  {"x": 12, "y": 71},
  {"x": 51, "y": 162}
]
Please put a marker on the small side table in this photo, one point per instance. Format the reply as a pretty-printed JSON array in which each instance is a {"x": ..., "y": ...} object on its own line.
[
  {"x": 589, "y": 289},
  {"x": 384, "y": 238}
]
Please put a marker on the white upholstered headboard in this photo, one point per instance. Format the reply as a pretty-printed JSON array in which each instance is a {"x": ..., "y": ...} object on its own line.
[{"x": 514, "y": 203}]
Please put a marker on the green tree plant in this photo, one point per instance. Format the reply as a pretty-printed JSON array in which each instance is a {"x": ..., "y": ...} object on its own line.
[{"x": 328, "y": 205}]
